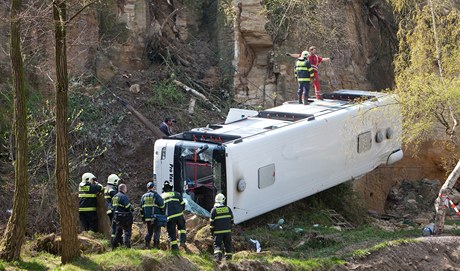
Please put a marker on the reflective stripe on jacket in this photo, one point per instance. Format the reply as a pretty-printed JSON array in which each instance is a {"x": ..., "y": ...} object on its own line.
[
  {"x": 87, "y": 193},
  {"x": 109, "y": 192},
  {"x": 303, "y": 71},
  {"x": 174, "y": 204},
  {"x": 151, "y": 203},
  {"x": 120, "y": 203},
  {"x": 221, "y": 219}
]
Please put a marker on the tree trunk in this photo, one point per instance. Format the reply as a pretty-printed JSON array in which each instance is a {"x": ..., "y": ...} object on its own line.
[
  {"x": 13, "y": 237},
  {"x": 441, "y": 201},
  {"x": 103, "y": 221},
  {"x": 66, "y": 205}
]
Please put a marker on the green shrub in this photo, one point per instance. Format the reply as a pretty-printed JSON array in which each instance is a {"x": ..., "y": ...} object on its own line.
[{"x": 165, "y": 93}]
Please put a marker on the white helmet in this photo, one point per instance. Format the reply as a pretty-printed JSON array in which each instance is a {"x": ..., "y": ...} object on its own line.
[
  {"x": 87, "y": 177},
  {"x": 304, "y": 54},
  {"x": 113, "y": 179},
  {"x": 220, "y": 198}
]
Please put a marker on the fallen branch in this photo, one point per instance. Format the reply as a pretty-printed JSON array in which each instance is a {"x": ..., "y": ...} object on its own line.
[{"x": 196, "y": 93}]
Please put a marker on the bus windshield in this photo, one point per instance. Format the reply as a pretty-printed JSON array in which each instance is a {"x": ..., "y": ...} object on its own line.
[{"x": 202, "y": 171}]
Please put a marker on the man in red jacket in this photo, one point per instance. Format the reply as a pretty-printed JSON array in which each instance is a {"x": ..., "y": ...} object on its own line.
[{"x": 315, "y": 60}]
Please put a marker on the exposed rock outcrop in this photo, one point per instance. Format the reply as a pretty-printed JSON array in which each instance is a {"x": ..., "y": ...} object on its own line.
[{"x": 360, "y": 40}]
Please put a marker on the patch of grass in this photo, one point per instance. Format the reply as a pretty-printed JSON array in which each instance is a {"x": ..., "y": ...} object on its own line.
[
  {"x": 379, "y": 246},
  {"x": 165, "y": 93},
  {"x": 203, "y": 260},
  {"x": 317, "y": 239},
  {"x": 38, "y": 262}
]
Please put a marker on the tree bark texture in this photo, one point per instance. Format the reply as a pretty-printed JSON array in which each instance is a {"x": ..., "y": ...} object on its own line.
[
  {"x": 442, "y": 202},
  {"x": 13, "y": 237},
  {"x": 103, "y": 221},
  {"x": 67, "y": 208}
]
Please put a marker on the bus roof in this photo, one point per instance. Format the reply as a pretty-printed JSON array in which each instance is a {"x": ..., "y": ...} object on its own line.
[{"x": 277, "y": 117}]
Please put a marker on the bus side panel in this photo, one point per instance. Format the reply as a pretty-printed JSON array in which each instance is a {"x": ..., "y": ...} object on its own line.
[{"x": 309, "y": 157}]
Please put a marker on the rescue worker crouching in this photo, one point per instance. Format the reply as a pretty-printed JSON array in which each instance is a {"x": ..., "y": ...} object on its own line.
[
  {"x": 123, "y": 217},
  {"x": 87, "y": 193},
  {"x": 174, "y": 210},
  {"x": 152, "y": 213},
  {"x": 110, "y": 190},
  {"x": 221, "y": 221}
]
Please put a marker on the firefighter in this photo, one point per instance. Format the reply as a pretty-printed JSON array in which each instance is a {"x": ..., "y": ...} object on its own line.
[
  {"x": 174, "y": 210},
  {"x": 87, "y": 193},
  {"x": 110, "y": 190},
  {"x": 304, "y": 74},
  {"x": 152, "y": 213},
  {"x": 221, "y": 228},
  {"x": 122, "y": 217}
]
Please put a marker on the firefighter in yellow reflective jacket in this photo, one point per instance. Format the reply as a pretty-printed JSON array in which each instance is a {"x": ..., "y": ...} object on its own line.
[
  {"x": 122, "y": 217},
  {"x": 304, "y": 74},
  {"x": 174, "y": 210},
  {"x": 152, "y": 209},
  {"x": 221, "y": 228},
  {"x": 110, "y": 190},
  {"x": 87, "y": 193}
]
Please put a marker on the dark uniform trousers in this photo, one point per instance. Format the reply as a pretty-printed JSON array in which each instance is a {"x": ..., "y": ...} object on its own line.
[
  {"x": 178, "y": 222},
  {"x": 114, "y": 226},
  {"x": 220, "y": 238},
  {"x": 124, "y": 223},
  {"x": 153, "y": 229},
  {"x": 89, "y": 220}
]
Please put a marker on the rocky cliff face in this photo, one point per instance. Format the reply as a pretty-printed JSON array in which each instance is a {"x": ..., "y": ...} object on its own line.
[
  {"x": 358, "y": 34},
  {"x": 235, "y": 46},
  {"x": 129, "y": 35}
]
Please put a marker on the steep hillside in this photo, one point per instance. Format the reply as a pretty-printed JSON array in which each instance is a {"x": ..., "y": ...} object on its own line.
[{"x": 233, "y": 52}]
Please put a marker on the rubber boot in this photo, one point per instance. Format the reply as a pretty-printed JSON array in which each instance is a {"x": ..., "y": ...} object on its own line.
[
  {"x": 156, "y": 244},
  {"x": 306, "y": 102},
  {"x": 218, "y": 257}
]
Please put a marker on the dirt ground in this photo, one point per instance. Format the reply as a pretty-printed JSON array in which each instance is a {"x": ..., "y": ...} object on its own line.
[
  {"x": 412, "y": 204},
  {"x": 425, "y": 253}
]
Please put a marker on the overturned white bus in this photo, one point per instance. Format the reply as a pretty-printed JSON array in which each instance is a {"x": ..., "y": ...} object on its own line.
[{"x": 264, "y": 160}]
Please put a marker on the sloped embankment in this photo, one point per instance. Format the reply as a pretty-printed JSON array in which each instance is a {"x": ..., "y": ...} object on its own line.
[{"x": 429, "y": 253}]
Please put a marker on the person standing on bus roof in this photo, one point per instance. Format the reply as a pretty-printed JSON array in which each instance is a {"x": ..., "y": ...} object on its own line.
[
  {"x": 304, "y": 74},
  {"x": 174, "y": 210},
  {"x": 315, "y": 60},
  {"x": 166, "y": 126}
]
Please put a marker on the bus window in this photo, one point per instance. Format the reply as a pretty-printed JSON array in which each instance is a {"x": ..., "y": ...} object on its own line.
[{"x": 201, "y": 172}]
